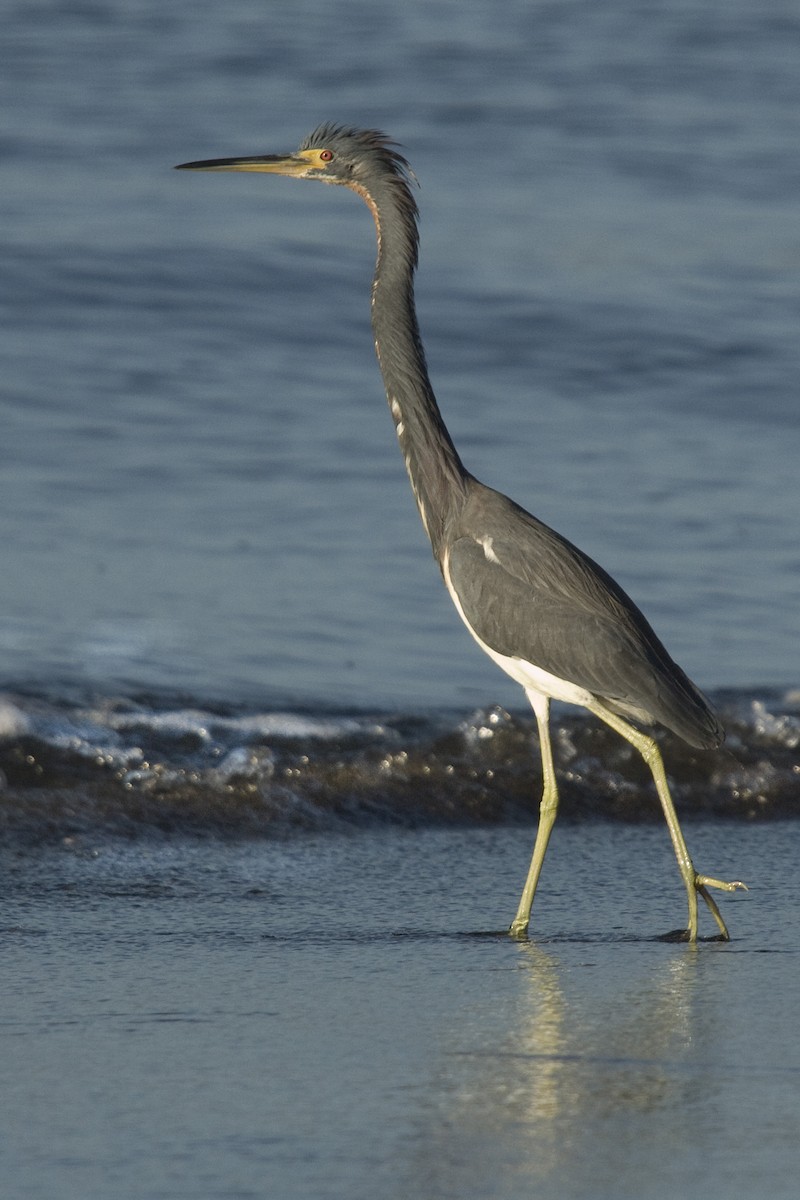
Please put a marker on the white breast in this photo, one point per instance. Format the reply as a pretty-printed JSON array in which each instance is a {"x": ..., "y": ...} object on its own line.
[{"x": 528, "y": 675}]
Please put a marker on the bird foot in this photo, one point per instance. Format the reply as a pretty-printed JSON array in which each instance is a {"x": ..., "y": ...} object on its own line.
[
  {"x": 685, "y": 935},
  {"x": 519, "y": 930},
  {"x": 704, "y": 881}
]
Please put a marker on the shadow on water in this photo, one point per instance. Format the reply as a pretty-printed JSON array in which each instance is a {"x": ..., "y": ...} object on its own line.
[{"x": 321, "y": 935}]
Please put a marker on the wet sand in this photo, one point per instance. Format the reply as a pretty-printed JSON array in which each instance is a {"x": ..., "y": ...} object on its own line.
[{"x": 341, "y": 1017}]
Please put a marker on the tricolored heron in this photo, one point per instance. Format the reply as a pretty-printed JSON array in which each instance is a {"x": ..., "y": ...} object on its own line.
[{"x": 540, "y": 608}]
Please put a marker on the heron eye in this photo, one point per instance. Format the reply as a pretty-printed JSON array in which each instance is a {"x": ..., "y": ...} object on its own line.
[{"x": 326, "y": 155}]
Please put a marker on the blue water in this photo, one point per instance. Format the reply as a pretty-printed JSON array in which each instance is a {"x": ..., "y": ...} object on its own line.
[
  {"x": 221, "y": 625},
  {"x": 200, "y": 486},
  {"x": 338, "y": 1018}
]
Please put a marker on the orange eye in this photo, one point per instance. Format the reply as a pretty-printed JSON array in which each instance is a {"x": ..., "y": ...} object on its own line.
[{"x": 326, "y": 155}]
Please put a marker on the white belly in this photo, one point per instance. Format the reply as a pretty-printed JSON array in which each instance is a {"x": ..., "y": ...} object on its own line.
[{"x": 528, "y": 675}]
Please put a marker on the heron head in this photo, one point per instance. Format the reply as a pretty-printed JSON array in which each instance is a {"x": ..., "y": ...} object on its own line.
[{"x": 355, "y": 158}]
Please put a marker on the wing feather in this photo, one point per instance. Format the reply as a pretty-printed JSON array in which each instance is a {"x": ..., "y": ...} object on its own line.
[{"x": 530, "y": 594}]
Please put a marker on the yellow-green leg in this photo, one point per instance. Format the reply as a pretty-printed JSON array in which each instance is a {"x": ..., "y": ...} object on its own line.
[
  {"x": 693, "y": 882},
  {"x": 547, "y": 816}
]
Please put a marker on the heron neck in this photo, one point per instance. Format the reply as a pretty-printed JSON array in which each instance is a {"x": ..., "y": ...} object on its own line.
[{"x": 438, "y": 477}]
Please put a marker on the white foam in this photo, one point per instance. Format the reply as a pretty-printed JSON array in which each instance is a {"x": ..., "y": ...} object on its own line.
[
  {"x": 13, "y": 722},
  {"x": 205, "y": 725}
]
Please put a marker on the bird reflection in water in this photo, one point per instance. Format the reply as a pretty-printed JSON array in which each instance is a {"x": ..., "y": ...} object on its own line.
[{"x": 592, "y": 1087}]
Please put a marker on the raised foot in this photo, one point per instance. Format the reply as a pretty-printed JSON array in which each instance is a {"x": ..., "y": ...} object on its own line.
[{"x": 701, "y": 881}]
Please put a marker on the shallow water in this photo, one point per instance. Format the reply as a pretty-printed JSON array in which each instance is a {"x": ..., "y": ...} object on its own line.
[{"x": 335, "y": 1017}]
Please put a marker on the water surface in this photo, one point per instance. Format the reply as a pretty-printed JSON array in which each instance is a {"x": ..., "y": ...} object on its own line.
[{"x": 266, "y": 808}]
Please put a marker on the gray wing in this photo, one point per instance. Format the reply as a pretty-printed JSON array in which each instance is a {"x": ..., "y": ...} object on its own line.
[
  {"x": 529, "y": 593},
  {"x": 540, "y": 623}
]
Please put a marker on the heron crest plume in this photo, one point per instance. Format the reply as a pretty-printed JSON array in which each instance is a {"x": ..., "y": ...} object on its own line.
[{"x": 370, "y": 163}]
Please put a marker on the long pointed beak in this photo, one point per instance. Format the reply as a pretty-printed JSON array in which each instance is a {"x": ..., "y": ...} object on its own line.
[{"x": 276, "y": 164}]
